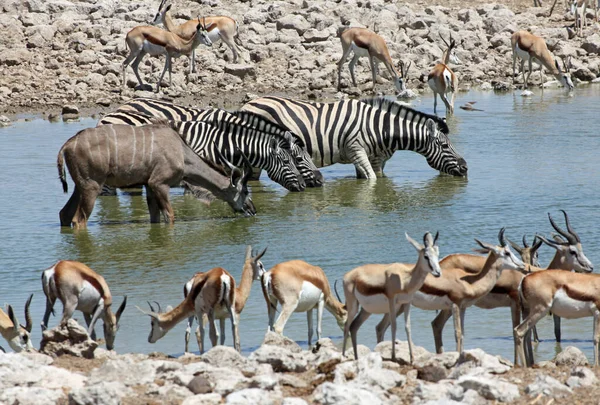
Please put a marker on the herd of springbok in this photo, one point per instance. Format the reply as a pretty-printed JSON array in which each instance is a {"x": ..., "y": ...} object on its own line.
[
  {"x": 494, "y": 278},
  {"x": 176, "y": 40}
]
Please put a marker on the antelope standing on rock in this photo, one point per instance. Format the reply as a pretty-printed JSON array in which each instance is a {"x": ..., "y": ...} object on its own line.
[
  {"x": 80, "y": 288},
  {"x": 17, "y": 335},
  {"x": 145, "y": 39},
  {"x": 367, "y": 43},
  {"x": 385, "y": 288},
  {"x": 211, "y": 290},
  {"x": 442, "y": 80},
  {"x": 252, "y": 270},
  {"x": 218, "y": 28},
  {"x": 299, "y": 287},
  {"x": 530, "y": 48}
]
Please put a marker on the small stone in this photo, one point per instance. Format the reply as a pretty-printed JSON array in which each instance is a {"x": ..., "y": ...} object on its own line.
[
  {"x": 490, "y": 388},
  {"x": 203, "y": 399},
  {"x": 582, "y": 377},
  {"x": 105, "y": 102},
  {"x": 70, "y": 117},
  {"x": 547, "y": 386},
  {"x": 200, "y": 385},
  {"x": 275, "y": 339},
  {"x": 241, "y": 70},
  {"x": 4, "y": 121},
  {"x": 432, "y": 373},
  {"x": 71, "y": 338},
  {"x": 571, "y": 356},
  {"x": 70, "y": 109}
]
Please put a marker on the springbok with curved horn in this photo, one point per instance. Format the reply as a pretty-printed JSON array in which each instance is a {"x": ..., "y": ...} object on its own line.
[
  {"x": 218, "y": 28},
  {"x": 17, "y": 335},
  {"x": 299, "y": 287},
  {"x": 386, "y": 288},
  {"x": 154, "y": 41},
  {"x": 252, "y": 270},
  {"x": 80, "y": 288},
  {"x": 530, "y": 48},
  {"x": 442, "y": 80},
  {"x": 367, "y": 43},
  {"x": 211, "y": 290}
]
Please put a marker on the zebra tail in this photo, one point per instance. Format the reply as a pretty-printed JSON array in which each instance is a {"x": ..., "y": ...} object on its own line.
[{"x": 62, "y": 174}]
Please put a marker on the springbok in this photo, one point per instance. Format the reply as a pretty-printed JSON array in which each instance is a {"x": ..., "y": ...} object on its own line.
[
  {"x": 460, "y": 286},
  {"x": 299, "y": 287},
  {"x": 80, "y": 288},
  {"x": 218, "y": 28},
  {"x": 367, "y": 43},
  {"x": 579, "y": 11},
  {"x": 155, "y": 41},
  {"x": 442, "y": 80},
  {"x": 530, "y": 48},
  {"x": 252, "y": 270},
  {"x": 211, "y": 290},
  {"x": 385, "y": 288},
  {"x": 17, "y": 335}
]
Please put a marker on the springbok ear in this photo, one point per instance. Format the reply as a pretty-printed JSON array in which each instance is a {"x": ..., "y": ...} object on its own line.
[
  {"x": 515, "y": 246},
  {"x": 13, "y": 317},
  {"x": 150, "y": 314},
  {"x": 556, "y": 64},
  {"x": 169, "y": 308},
  {"x": 121, "y": 309},
  {"x": 168, "y": 8}
]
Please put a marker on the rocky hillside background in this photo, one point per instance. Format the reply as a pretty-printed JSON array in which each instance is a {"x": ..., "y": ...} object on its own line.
[{"x": 58, "y": 51}]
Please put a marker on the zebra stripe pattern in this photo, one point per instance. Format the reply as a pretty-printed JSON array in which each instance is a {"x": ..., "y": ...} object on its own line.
[
  {"x": 263, "y": 150},
  {"x": 365, "y": 133},
  {"x": 169, "y": 111}
]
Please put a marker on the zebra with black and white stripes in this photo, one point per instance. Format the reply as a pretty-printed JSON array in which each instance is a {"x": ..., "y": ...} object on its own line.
[
  {"x": 363, "y": 132},
  {"x": 172, "y": 112},
  {"x": 219, "y": 134}
]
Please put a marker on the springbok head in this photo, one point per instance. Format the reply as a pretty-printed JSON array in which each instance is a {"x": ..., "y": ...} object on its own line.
[
  {"x": 157, "y": 331},
  {"x": 451, "y": 50},
  {"x": 17, "y": 335},
  {"x": 502, "y": 252},
  {"x": 400, "y": 81},
  {"x": 202, "y": 32},
  {"x": 111, "y": 324},
  {"x": 529, "y": 254},
  {"x": 564, "y": 76},
  {"x": 428, "y": 251},
  {"x": 159, "y": 17},
  {"x": 258, "y": 269},
  {"x": 570, "y": 250}
]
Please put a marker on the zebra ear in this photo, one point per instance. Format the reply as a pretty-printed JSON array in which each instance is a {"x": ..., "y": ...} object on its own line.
[
  {"x": 432, "y": 127},
  {"x": 274, "y": 146}
]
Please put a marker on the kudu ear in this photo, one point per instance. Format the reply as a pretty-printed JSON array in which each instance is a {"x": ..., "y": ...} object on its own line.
[
  {"x": 13, "y": 317},
  {"x": 121, "y": 309}
]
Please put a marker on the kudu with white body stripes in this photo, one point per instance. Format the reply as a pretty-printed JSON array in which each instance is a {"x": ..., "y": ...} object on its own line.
[
  {"x": 299, "y": 287},
  {"x": 210, "y": 291},
  {"x": 171, "y": 112},
  {"x": 459, "y": 287},
  {"x": 252, "y": 270},
  {"x": 156, "y": 156},
  {"x": 217, "y": 27},
  {"x": 364, "y": 133},
  {"x": 80, "y": 288},
  {"x": 155, "y": 41},
  {"x": 442, "y": 80},
  {"x": 17, "y": 335},
  {"x": 531, "y": 48},
  {"x": 385, "y": 288},
  {"x": 364, "y": 42}
]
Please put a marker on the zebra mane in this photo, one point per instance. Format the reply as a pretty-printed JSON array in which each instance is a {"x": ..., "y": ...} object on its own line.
[
  {"x": 253, "y": 116},
  {"x": 395, "y": 107}
]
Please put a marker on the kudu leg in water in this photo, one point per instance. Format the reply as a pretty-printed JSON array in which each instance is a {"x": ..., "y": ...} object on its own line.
[
  {"x": 68, "y": 212},
  {"x": 86, "y": 204}
]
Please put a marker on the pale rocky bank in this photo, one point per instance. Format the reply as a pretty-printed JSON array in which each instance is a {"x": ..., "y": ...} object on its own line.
[
  {"x": 59, "y": 52},
  {"x": 73, "y": 370}
]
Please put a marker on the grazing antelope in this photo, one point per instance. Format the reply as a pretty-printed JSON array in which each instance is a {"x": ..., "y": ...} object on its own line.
[
  {"x": 579, "y": 11},
  {"x": 367, "y": 43},
  {"x": 80, "y": 288},
  {"x": 385, "y": 288},
  {"x": 530, "y": 48},
  {"x": 144, "y": 39},
  {"x": 442, "y": 80},
  {"x": 252, "y": 270},
  {"x": 218, "y": 28},
  {"x": 465, "y": 279},
  {"x": 17, "y": 335},
  {"x": 299, "y": 287},
  {"x": 211, "y": 290}
]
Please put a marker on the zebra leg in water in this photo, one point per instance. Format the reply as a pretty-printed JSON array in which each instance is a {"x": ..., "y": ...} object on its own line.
[
  {"x": 378, "y": 163},
  {"x": 359, "y": 158}
]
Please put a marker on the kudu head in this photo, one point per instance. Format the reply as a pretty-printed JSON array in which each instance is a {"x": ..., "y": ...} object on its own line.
[
  {"x": 564, "y": 76},
  {"x": 19, "y": 336},
  {"x": 570, "y": 250},
  {"x": 237, "y": 194},
  {"x": 429, "y": 252},
  {"x": 502, "y": 253},
  {"x": 111, "y": 323},
  {"x": 529, "y": 254}
]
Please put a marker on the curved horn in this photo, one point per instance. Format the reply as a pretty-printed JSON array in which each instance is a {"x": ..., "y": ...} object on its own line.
[
  {"x": 151, "y": 307},
  {"x": 121, "y": 309},
  {"x": 560, "y": 231},
  {"x": 158, "y": 305},
  {"x": 437, "y": 235},
  {"x": 569, "y": 228},
  {"x": 336, "y": 291},
  {"x": 501, "y": 237},
  {"x": 515, "y": 246},
  {"x": 442, "y": 38},
  {"x": 261, "y": 254},
  {"x": 203, "y": 22},
  {"x": 549, "y": 242},
  {"x": 525, "y": 241},
  {"x": 28, "y": 321}
]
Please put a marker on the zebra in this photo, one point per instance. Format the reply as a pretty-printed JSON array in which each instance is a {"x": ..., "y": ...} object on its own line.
[
  {"x": 207, "y": 139},
  {"x": 363, "y": 132},
  {"x": 172, "y": 112}
]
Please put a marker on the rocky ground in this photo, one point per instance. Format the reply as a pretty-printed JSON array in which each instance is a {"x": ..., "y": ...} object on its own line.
[
  {"x": 71, "y": 369},
  {"x": 57, "y": 52}
]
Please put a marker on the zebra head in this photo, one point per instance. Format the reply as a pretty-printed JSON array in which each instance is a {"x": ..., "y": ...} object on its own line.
[
  {"x": 440, "y": 152},
  {"x": 282, "y": 166},
  {"x": 307, "y": 168},
  {"x": 238, "y": 193}
]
